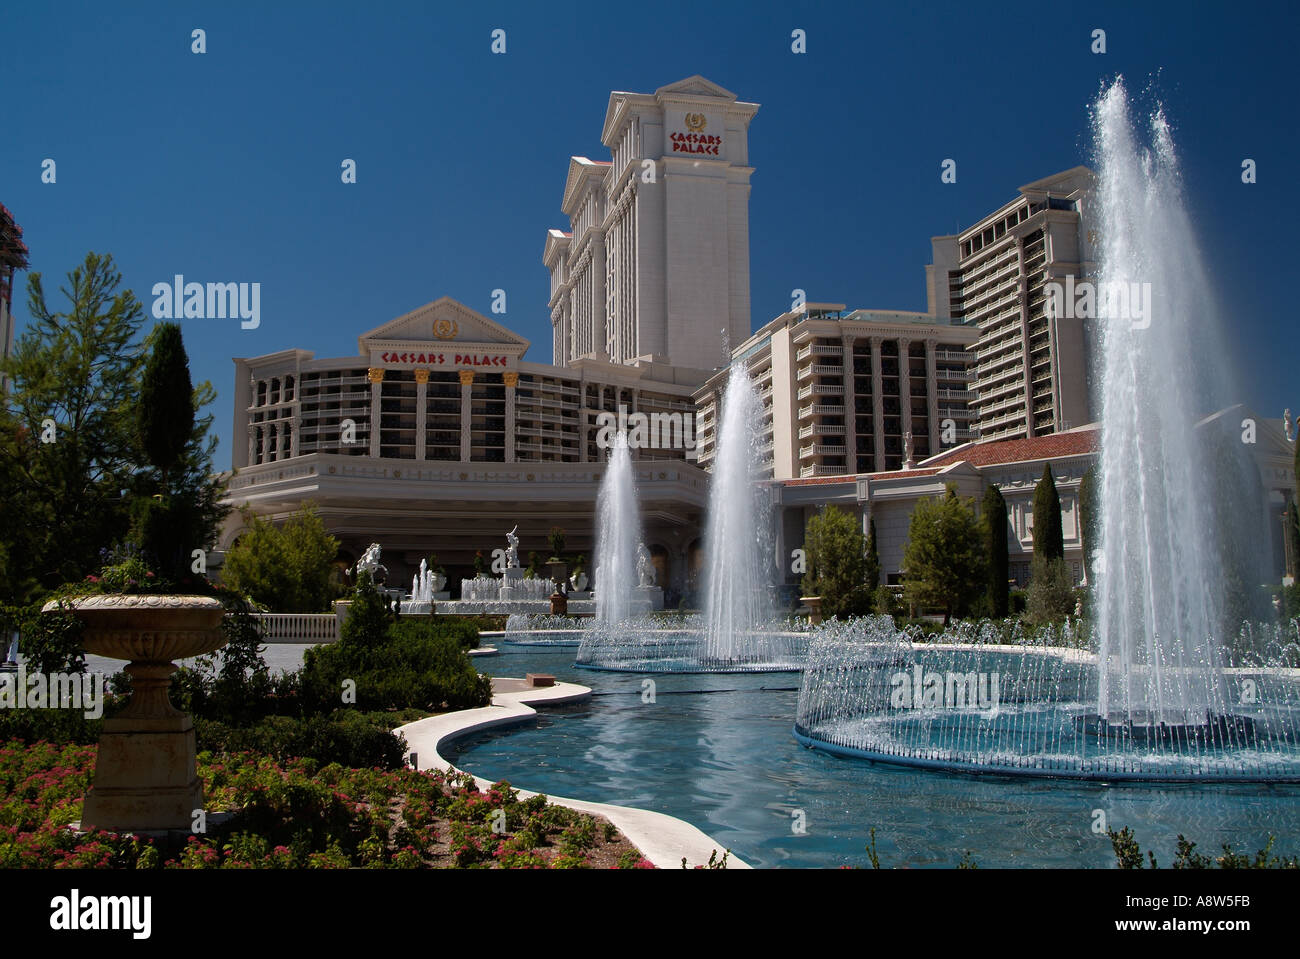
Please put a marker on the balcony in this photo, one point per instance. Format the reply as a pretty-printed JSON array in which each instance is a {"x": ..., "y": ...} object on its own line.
[
  {"x": 821, "y": 449},
  {"x": 955, "y": 394},
  {"x": 817, "y": 470},
  {"x": 825, "y": 389}
]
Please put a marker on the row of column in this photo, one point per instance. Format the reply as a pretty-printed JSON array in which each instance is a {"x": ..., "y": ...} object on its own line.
[
  {"x": 376, "y": 376},
  {"x": 273, "y": 437},
  {"x": 878, "y": 395}
]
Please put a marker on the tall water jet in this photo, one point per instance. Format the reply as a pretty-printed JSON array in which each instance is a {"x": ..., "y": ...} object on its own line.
[
  {"x": 737, "y": 575},
  {"x": 1178, "y": 500},
  {"x": 618, "y": 531},
  {"x": 1159, "y": 580}
]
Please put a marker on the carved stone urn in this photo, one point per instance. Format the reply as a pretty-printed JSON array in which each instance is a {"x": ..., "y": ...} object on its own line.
[{"x": 145, "y": 774}]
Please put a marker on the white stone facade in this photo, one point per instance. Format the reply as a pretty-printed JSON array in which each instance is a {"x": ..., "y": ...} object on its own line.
[{"x": 654, "y": 267}]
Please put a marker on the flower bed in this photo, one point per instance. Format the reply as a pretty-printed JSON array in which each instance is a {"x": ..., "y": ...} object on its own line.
[{"x": 300, "y": 814}]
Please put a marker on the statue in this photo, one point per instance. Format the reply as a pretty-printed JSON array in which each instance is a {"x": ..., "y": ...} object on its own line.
[
  {"x": 512, "y": 551},
  {"x": 369, "y": 563},
  {"x": 645, "y": 569},
  {"x": 1286, "y": 423},
  {"x": 907, "y": 448}
]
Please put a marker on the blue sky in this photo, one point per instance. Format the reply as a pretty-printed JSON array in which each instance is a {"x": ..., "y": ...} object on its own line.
[{"x": 225, "y": 166}]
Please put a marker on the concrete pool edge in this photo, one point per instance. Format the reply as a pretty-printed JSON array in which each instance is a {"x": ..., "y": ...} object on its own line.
[{"x": 662, "y": 839}]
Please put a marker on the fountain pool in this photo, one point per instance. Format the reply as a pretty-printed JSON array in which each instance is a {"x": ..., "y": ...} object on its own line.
[{"x": 716, "y": 750}]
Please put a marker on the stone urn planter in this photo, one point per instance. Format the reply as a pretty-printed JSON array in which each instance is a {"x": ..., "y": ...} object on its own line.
[
  {"x": 814, "y": 604},
  {"x": 578, "y": 582},
  {"x": 558, "y": 571},
  {"x": 145, "y": 774}
]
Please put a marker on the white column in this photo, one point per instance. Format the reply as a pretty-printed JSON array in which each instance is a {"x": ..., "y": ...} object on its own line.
[
  {"x": 511, "y": 380},
  {"x": 932, "y": 394},
  {"x": 421, "y": 412},
  {"x": 466, "y": 399},
  {"x": 878, "y": 402},
  {"x": 850, "y": 407},
  {"x": 905, "y": 389},
  {"x": 376, "y": 377}
]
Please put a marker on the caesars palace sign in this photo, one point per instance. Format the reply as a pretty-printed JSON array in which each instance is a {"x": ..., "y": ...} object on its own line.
[
  {"x": 695, "y": 140},
  {"x": 395, "y": 360}
]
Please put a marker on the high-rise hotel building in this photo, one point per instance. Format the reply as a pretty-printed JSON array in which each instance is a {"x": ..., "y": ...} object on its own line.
[
  {"x": 1031, "y": 374},
  {"x": 845, "y": 392},
  {"x": 654, "y": 268}
]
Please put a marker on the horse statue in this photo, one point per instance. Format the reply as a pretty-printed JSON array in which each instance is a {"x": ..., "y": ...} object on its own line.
[{"x": 369, "y": 563}]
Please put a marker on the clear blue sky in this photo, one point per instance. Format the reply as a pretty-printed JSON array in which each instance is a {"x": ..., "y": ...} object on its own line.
[{"x": 225, "y": 166}]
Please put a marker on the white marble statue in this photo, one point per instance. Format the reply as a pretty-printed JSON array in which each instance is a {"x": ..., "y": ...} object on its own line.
[
  {"x": 369, "y": 563},
  {"x": 512, "y": 551},
  {"x": 645, "y": 569}
]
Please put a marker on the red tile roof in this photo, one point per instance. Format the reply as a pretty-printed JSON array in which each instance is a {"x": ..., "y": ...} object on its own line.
[
  {"x": 890, "y": 474},
  {"x": 1018, "y": 451}
]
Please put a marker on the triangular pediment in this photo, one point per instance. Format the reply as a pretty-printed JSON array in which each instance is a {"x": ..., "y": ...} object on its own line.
[
  {"x": 444, "y": 321},
  {"x": 696, "y": 86},
  {"x": 580, "y": 168}
]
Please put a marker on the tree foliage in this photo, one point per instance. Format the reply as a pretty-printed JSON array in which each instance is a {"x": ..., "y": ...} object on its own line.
[
  {"x": 837, "y": 564},
  {"x": 1089, "y": 518},
  {"x": 872, "y": 577},
  {"x": 1049, "y": 538},
  {"x": 67, "y": 438},
  {"x": 287, "y": 567},
  {"x": 72, "y": 462},
  {"x": 994, "y": 528},
  {"x": 1050, "y": 597},
  {"x": 945, "y": 565}
]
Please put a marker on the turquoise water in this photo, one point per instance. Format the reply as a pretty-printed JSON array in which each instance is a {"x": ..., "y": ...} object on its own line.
[{"x": 718, "y": 752}]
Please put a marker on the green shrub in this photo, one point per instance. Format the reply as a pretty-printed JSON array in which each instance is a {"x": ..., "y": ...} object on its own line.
[
  {"x": 1051, "y": 592},
  {"x": 349, "y": 738},
  {"x": 411, "y": 670},
  {"x": 1018, "y": 601},
  {"x": 463, "y": 630}
]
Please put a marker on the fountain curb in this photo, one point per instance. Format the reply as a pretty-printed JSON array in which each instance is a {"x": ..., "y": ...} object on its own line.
[{"x": 662, "y": 839}]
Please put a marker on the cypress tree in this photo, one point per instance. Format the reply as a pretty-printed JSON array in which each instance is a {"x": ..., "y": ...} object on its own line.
[
  {"x": 164, "y": 523},
  {"x": 1049, "y": 539},
  {"x": 994, "y": 509},
  {"x": 1089, "y": 518},
  {"x": 872, "y": 577},
  {"x": 165, "y": 410}
]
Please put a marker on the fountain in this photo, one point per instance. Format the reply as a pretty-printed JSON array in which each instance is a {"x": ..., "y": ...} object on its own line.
[
  {"x": 739, "y": 632},
  {"x": 1158, "y": 696},
  {"x": 618, "y": 531}
]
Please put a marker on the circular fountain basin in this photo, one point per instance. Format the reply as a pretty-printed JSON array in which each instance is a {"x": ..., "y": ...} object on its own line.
[
  {"x": 1032, "y": 711},
  {"x": 688, "y": 651}
]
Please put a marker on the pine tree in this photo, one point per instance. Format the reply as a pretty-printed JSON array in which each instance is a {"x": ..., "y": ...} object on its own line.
[
  {"x": 67, "y": 436},
  {"x": 994, "y": 526},
  {"x": 1049, "y": 539},
  {"x": 837, "y": 565},
  {"x": 944, "y": 562}
]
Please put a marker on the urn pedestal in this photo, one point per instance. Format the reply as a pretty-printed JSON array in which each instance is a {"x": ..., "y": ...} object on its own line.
[{"x": 145, "y": 773}]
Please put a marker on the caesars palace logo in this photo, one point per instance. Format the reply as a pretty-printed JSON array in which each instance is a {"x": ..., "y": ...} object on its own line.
[
  {"x": 696, "y": 140},
  {"x": 445, "y": 329}
]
